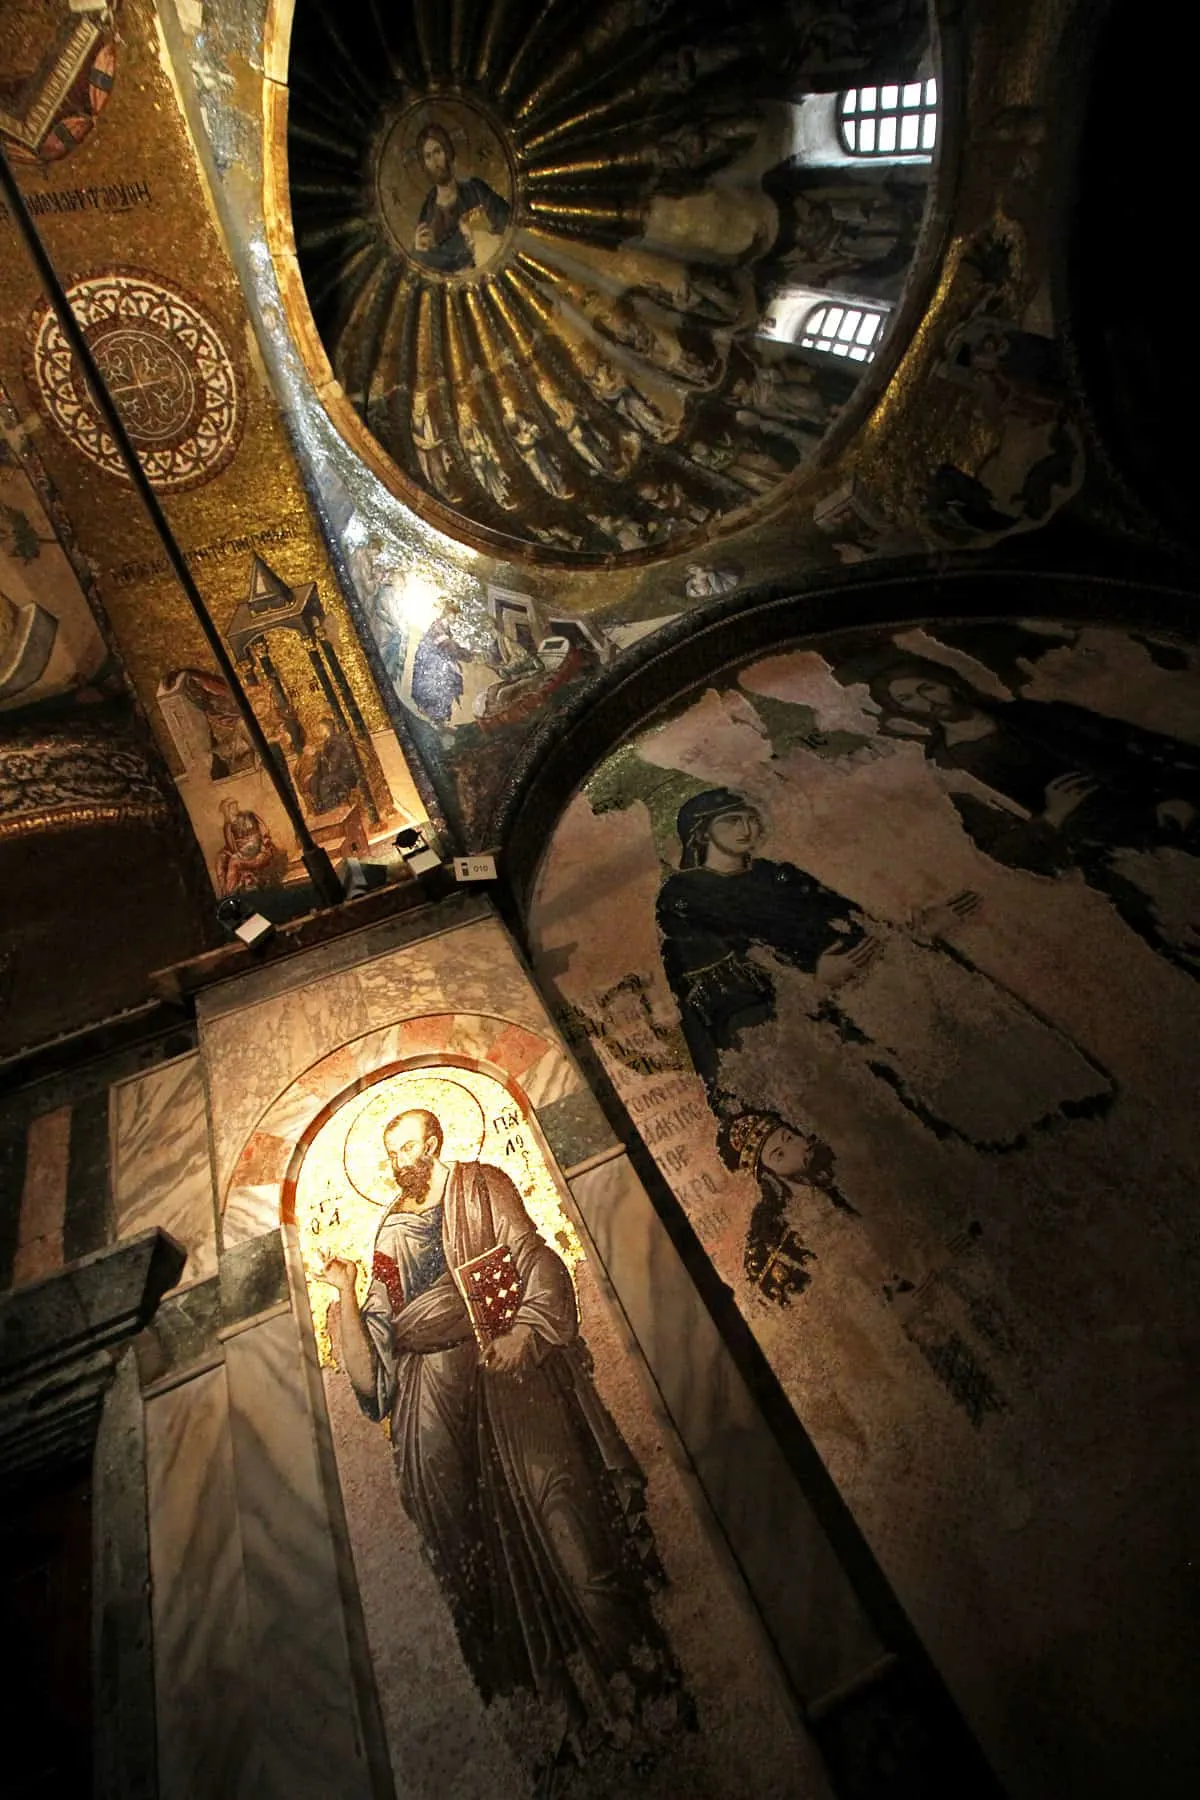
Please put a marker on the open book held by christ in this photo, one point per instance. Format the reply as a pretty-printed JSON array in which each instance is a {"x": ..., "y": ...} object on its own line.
[{"x": 491, "y": 1288}]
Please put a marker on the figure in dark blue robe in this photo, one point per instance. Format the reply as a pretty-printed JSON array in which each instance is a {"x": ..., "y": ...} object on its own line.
[{"x": 967, "y": 1057}]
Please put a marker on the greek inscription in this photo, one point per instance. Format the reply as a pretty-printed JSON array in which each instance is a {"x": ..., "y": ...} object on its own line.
[
  {"x": 112, "y": 197},
  {"x": 620, "y": 1023},
  {"x": 127, "y": 573},
  {"x": 668, "y": 1125},
  {"x": 710, "y": 1222}
]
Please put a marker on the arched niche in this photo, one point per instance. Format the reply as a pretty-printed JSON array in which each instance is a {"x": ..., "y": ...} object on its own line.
[
  {"x": 255, "y": 1197},
  {"x": 568, "y": 1460}
]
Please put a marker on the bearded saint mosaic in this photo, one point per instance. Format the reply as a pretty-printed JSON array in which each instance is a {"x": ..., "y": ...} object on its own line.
[
  {"x": 457, "y": 1325},
  {"x": 544, "y": 265}
]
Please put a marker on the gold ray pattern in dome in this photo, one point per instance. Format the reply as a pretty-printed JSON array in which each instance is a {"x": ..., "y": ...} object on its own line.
[{"x": 544, "y": 257}]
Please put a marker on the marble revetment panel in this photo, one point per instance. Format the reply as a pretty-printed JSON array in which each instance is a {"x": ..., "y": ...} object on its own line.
[{"x": 161, "y": 1172}]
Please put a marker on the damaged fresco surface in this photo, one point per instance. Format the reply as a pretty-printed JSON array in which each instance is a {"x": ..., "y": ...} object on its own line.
[
  {"x": 51, "y": 640},
  {"x": 890, "y": 947}
]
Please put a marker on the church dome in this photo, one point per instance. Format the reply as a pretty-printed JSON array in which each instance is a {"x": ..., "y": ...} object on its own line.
[{"x": 569, "y": 269}]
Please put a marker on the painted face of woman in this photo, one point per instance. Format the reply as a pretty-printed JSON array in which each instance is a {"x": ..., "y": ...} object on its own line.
[
  {"x": 786, "y": 1152},
  {"x": 736, "y": 833},
  {"x": 790, "y": 1154}
]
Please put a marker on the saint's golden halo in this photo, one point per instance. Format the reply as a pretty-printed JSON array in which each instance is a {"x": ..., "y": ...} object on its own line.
[{"x": 461, "y": 1115}]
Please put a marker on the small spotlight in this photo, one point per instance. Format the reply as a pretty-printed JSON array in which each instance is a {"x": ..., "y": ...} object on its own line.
[
  {"x": 254, "y": 929},
  {"x": 416, "y": 850}
]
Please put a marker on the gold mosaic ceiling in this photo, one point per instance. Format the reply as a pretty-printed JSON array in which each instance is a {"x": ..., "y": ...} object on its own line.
[{"x": 542, "y": 248}]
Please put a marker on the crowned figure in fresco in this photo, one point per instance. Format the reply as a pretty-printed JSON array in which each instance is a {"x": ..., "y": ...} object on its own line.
[
  {"x": 802, "y": 1224},
  {"x": 453, "y": 209},
  {"x": 968, "y": 1058},
  {"x": 783, "y": 1161},
  {"x": 529, "y": 1504}
]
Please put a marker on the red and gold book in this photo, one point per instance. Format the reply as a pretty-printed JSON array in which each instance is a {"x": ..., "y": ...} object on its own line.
[{"x": 491, "y": 1288}]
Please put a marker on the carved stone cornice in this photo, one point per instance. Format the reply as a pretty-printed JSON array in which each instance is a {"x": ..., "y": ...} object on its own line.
[{"x": 59, "y": 1343}]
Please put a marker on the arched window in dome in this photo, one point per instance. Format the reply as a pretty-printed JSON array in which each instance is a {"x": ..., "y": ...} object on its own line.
[
  {"x": 841, "y": 328},
  {"x": 889, "y": 121}
]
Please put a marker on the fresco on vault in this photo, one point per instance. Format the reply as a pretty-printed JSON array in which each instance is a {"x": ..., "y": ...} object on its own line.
[
  {"x": 351, "y": 783},
  {"x": 728, "y": 914},
  {"x": 58, "y": 63},
  {"x": 167, "y": 324},
  {"x": 543, "y": 449},
  {"x": 889, "y": 946},
  {"x": 50, "y": 642},
  {"x": 763, "y": 938}
]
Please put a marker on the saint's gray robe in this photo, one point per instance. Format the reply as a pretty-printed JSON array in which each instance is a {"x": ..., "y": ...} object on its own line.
[{"x": 528, "y": 1502}]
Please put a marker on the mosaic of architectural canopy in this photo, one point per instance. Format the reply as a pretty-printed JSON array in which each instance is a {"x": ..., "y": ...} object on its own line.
[{"x": 569, "y": 276}]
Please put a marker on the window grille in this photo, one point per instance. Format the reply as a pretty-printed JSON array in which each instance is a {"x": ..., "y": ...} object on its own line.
[
  {"x": 849, "y": 331},
  {"x": 893, "y": 120}
]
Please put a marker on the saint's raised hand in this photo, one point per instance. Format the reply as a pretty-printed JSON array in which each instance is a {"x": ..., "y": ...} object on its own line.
[{"x": 342, "y": 1273}]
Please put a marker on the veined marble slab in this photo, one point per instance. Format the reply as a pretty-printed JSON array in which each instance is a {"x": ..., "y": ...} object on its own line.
[
  {"x": 39, "y": 1248},
  {"x": 311, "y": 1741},
  {"x": 161, "y": 1172},
  {"x": 205, "y": 1693},
  {"x": 819, "y": 1627}
]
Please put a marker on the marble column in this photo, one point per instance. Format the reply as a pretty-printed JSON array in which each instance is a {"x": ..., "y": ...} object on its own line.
[
  {"x": 311, "y": 1738},
  {"x": 206, "y": 1692}
]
